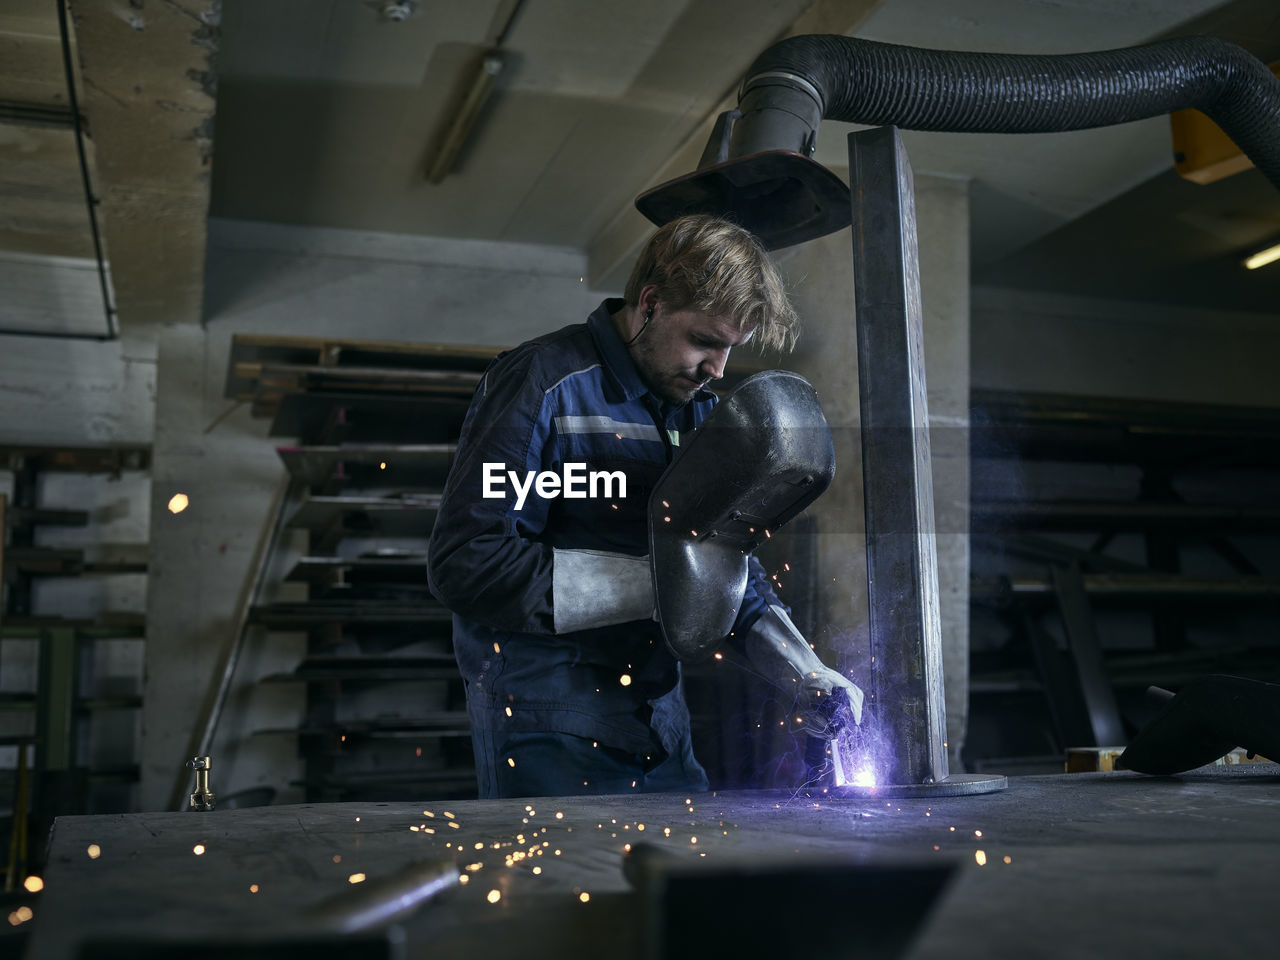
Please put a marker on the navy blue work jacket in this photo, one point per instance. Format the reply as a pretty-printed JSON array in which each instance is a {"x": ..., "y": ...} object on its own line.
[{"x": 573, "y": 396}]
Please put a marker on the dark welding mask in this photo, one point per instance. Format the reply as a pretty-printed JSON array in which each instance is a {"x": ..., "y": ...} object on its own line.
[{"x": 761, "y": 456}]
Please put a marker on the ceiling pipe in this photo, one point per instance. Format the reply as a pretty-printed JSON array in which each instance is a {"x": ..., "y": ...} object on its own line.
[
  {"x": 70, "y": 116},
  {"x": 757, "y": 169}
]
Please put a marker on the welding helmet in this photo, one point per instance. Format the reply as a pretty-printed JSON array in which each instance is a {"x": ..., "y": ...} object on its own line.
[{"x": 762, "y": 455}]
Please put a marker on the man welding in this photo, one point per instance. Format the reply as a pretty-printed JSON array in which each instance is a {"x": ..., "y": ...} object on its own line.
[{"x": 540, "y": 547}]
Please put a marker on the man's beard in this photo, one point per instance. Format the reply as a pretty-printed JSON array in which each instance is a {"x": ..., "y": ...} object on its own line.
[{"x": 678, "y": 386}]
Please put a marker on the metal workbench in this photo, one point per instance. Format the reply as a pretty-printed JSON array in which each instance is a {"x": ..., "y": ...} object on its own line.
[{"x": 1081, "y": 865}]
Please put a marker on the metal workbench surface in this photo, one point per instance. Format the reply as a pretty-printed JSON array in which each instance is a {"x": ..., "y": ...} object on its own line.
[{"x": 1097, "y": 865}]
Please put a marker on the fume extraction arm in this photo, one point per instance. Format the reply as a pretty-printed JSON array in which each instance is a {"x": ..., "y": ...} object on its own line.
[{"x": 756, "y": 168}]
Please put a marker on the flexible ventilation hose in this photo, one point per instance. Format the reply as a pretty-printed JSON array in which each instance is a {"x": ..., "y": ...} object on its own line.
[{"x": 802, "y": 80}]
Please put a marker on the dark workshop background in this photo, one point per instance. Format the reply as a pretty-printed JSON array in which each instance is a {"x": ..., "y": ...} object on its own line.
[{"x": 1101, "y": 372}]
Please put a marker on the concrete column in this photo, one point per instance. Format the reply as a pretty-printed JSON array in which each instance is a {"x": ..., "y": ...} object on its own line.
[
  {"x": 199, "y": 560},
  {"x": 819, "y": 274}
]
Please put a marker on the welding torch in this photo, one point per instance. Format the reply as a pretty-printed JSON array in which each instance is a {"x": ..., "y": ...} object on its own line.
[{"x": 822, "y": 749}]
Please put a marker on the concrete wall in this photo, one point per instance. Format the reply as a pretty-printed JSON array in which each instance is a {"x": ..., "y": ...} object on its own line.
[
  {"x": 1045, "y": 342},
  {"x": 820, "y": 275}
]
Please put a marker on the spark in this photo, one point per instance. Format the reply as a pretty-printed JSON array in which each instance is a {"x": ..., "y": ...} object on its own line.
[
  {"x": 463, "y": 878},
  {"x": 719, "y": 656},
  {"x": 626, "y": 848},
  {"x": 639, "y": 826},
  {"x": 494, "y": 896},
  {"x": 496, "y": 648},
  {"x": 179, "y": 502},
  {"x": 33, "y": 884},
  {"x": 693, "y": 839},
  {"x": 537, "y": 870},
  {"x": 981, "y": 857},
  {"x": 198, "y": 849},
  {"x": 20, "y": 916},
  {"x": 584, "y": 896},
  {"x": 427, "y": 813},
  {"x": 977, "y": 833},
  {"x": 455, "y": 825},
  {"x": 666, "y": 504},
  {"x": 253, "y": 888},
  {"x": 1008, "y": 859},
  {"x": 418, "y": 751},
  {"x": 559, "y": 815},
  {"x": 356, "y": 878},
  {"x": 337, "y": 858},
  {"x": 382, "y": 464},
  {"x": 666, "y": 831},
  {"x": 511, "y": 761},
  {"x": 625, "y": 679},
  {"x": 94, "y": 851}
]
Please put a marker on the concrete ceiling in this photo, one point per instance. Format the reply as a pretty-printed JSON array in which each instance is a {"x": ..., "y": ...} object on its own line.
[{"x": 328, "y": 111}]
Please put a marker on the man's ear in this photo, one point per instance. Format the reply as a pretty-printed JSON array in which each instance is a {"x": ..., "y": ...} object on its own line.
[{"x": 647, "y": 301}]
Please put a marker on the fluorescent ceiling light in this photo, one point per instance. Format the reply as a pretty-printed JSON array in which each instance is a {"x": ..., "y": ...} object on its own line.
[{"x": 1263, "y": 257}]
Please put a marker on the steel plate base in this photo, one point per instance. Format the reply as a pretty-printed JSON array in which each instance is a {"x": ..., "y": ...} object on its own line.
[{"x": 956, "y": 785}]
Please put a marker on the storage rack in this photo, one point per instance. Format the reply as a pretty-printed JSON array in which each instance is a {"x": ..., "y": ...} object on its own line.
[
  {"x": 53, "y": 775},
  {"x": 376, "y": 425},
  {"x": 1116, "y": 544}
]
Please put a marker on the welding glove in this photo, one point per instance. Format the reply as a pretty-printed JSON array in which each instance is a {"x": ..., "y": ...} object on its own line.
[
  {"x": 592, "y": 588},
  {"x": 780, "y": 653}
]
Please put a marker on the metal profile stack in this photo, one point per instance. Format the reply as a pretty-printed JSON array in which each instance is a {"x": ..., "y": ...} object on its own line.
[
  {"x": 375, "y": 426},
  {"x": 68, "y": 700}
]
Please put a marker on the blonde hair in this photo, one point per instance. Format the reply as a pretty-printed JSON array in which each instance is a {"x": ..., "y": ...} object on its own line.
[{"x": 716, "y": 267}]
